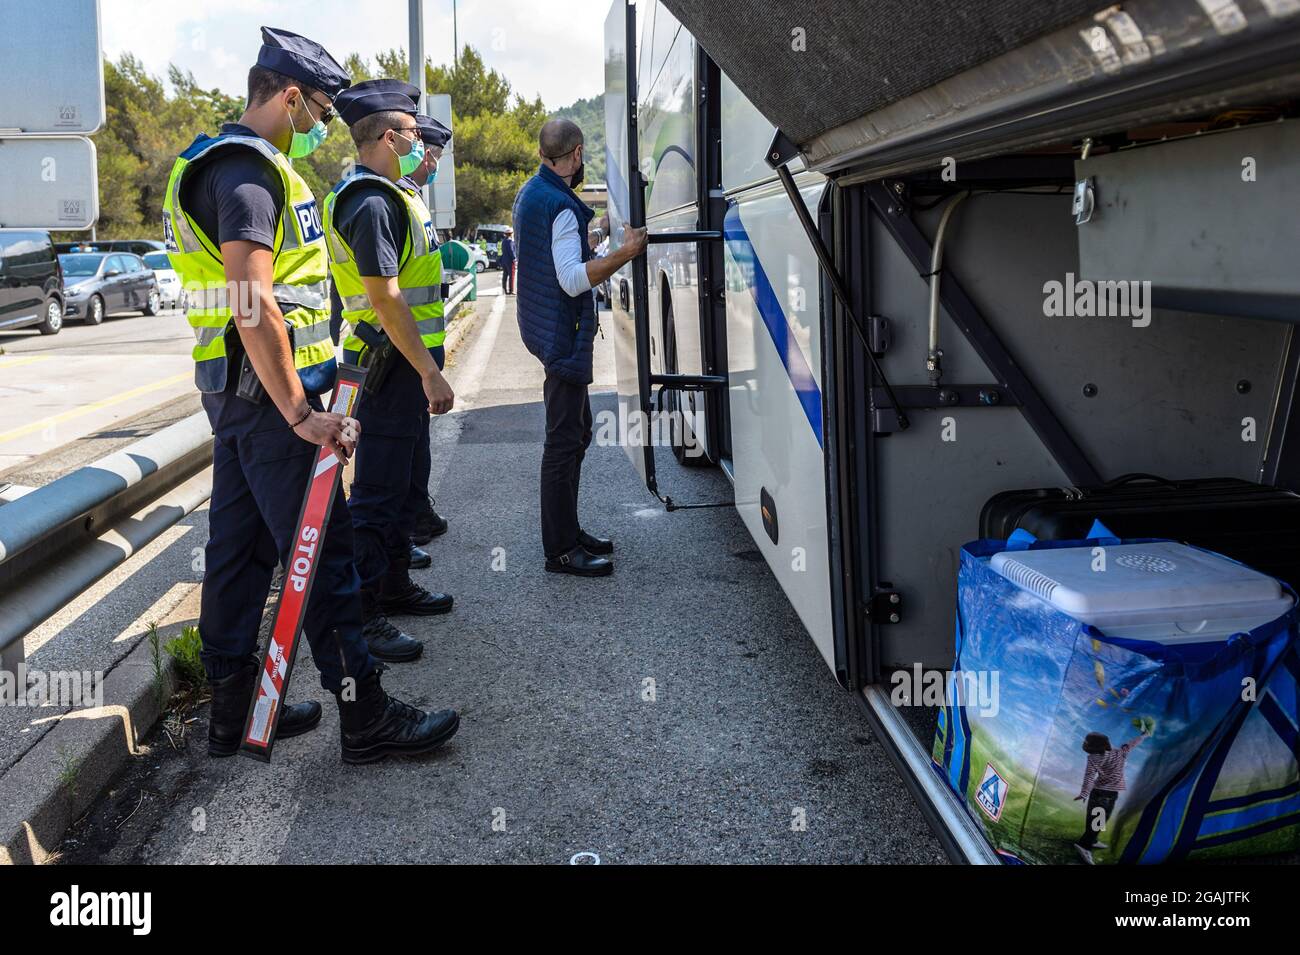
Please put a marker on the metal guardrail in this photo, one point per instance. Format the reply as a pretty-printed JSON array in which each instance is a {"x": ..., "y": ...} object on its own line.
[
  {"x": 466, "y": 287},
  {"x": 57, "y": 540}
]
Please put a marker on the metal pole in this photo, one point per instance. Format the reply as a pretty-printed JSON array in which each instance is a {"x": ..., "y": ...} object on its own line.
[
  {"x": 455, "y": 38},
  {"x": 416, "y": 23}
]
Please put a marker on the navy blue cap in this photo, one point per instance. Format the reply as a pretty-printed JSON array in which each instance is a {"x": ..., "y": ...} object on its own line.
[
  {"x": 376, "y": 96},
  {"x": 303, "y": 59},
  {"x": 433, "y": 132}
]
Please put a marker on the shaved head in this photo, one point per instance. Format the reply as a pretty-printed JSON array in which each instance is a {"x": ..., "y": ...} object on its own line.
[{"x": 558, "y": 138}]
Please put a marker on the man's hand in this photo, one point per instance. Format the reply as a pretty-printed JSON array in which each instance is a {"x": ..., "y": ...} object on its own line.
[
  {"x": 439, "y": 393},
  {"x": 634, "y": 243},
  {"x": 329, "y": 430}
]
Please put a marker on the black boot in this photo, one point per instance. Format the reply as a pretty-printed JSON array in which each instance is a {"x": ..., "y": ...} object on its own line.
[
  {"x": 420, "y": 559},
  {"x": 580, "y": 563},
  {"x": 231, "y": 696},
  {"x": 594, "y": 545},
  {"x": 428, "y": 525},
  {"x": 386, "y": 642},
  {"x": 375, "y": 725},
  {"x": 399, "y": 595}
]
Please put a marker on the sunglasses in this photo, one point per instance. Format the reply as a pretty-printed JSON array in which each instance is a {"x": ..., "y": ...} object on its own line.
[{"x": 327, "y": 111}]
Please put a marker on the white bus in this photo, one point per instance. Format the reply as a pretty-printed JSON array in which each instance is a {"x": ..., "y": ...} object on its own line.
[{"x": 951, "y": 160}]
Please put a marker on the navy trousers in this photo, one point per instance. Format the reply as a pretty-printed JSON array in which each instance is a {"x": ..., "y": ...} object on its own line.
[
  {"x": 381, "y": 482},
  {"x": 260, "y": 470},
  {"x": 417, "y": 501}
]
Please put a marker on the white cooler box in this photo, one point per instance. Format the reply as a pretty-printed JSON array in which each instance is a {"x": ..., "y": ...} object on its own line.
[{"x": 1163, "y": 592}]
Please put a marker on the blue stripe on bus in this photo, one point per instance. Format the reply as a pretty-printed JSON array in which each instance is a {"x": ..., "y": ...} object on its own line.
[{"x": 769, "y": 309}]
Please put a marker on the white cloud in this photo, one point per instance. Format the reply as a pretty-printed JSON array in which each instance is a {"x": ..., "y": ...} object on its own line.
[{"x": 553, "y": 47}]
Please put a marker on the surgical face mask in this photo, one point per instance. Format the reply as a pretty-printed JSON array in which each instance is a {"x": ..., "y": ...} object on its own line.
[
  {"x": 304, "y": 144},
  {"x": 433, "y": 173},
  {"x": 411, "y": 161}
]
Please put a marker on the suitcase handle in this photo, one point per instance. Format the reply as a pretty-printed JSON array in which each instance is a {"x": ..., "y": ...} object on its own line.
[{"x": 1139, "y": 476}]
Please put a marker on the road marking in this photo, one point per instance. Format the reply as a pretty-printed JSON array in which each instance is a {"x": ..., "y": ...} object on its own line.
[
  {"x": 92, "y": 407},
  {"x": 6, "y": 362},
  {"x": 475, "y": 367}
]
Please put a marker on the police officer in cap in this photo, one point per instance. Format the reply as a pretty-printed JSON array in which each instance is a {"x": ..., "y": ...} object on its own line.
[
  {"x": 244, "y": 234},
  {"x": 385, "y": 263},
  {"x": 426, "y": 523}
]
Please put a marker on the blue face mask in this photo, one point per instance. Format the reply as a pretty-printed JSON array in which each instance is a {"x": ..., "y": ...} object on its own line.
[
  {"x": 411, "y": 161},
  {"x": 433, "y": 176},
  {"x": 304, "y": 144}
]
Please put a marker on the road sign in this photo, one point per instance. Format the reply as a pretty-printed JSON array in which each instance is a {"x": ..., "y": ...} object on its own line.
[
  {"x": 443, "y": 205},
  {"x": 51, "y": 67},
  {"x": 48, "y": 182}
]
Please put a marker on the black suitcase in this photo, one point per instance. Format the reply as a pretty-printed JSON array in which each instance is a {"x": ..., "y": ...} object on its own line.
[{"x": 1253, "y": 523}]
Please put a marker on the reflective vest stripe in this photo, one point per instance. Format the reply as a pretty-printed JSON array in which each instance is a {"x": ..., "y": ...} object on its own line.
[
  {"x": 314, "y": 295},
  {"x": 422, "y": 295}
]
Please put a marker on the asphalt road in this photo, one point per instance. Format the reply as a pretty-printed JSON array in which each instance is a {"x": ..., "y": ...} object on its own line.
[
  {"x": 88, "y": 379},
  {"x": 675, "y": 712}
]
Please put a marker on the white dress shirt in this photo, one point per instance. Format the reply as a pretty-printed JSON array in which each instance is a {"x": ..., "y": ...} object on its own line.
[{"x": 566, "y": 252}]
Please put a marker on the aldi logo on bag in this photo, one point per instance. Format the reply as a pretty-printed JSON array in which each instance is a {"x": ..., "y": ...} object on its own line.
[{"x": 992, "y": 793}]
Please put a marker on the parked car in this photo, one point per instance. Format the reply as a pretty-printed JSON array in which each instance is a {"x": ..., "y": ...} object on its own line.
[
  {"x": 478, "y": 259},
  {"x": 169, "y": 283},
  {"x": 98, "y": 284},
  {"x": 31, "y": 282},
  {"x": 491, "y": 236}
]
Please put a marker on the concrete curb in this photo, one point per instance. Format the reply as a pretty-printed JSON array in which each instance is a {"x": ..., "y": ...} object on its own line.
[{"x": 38, "y": 800}]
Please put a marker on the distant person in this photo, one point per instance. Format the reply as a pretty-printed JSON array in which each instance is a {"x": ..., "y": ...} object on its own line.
[
  {"x": 508, "y": 262},
  {"x": 557, "y": 321}
]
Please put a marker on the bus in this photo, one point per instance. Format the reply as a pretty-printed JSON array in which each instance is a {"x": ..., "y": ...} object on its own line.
[{"x": 856, "y": 215}]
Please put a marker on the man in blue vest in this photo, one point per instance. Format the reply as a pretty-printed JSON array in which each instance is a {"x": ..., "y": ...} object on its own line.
[
  {"x": 557, "y": 320},
  {"x": 507, "y": 261}
]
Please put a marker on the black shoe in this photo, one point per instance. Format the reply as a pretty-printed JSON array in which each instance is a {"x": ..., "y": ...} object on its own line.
[
  {"x": 428, "y": 525},
  {"x": 580, "y": 563},
  {"x": 375, "y": 725},
  {"x": 231, "y": 697},
  {"x": 594, "y": 545},
  {"x": 413, "y": 600},
  {"x": 388, "y": 643},
  {"x": 420, "y": 559}
]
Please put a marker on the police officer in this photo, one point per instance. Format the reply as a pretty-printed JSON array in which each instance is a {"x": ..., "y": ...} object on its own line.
[
  {"x": 425, "y": 522},
  {"x": 386, "y": 264},
  {"x": 244, "y": 234}
]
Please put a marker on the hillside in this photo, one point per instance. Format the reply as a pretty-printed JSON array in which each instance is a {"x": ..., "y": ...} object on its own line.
[{"x": 590, "y": 115}]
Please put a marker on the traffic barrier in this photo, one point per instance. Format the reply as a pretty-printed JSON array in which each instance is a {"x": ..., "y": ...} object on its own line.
[{"x": 57, "y": 540}]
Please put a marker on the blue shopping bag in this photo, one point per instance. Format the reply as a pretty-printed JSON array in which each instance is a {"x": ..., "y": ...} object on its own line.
[{"x": 1111, "y": 750}]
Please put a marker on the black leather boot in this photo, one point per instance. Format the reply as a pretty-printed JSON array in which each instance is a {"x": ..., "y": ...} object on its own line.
[
  {"x": 580, "y": 563},
  {"x": 399, "y": 595},
  {"x": 428, "y": 525},
  {"x": 420, "y": 559},
  {"x": 375, "y": 725},
  {"x": 386, "y": 642},
  {"x": 594, "y": 545},
  {"x": 231, "y": 697}
]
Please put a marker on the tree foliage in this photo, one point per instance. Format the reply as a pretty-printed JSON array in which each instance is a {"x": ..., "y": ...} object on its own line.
[{"x": 149, "y": 121}]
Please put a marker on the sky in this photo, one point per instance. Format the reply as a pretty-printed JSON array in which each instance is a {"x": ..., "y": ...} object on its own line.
[{"x": 549, "y": 47}]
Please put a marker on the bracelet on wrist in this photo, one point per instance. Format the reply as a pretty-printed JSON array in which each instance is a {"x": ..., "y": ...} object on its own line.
[{"x": 305, "y": 415}]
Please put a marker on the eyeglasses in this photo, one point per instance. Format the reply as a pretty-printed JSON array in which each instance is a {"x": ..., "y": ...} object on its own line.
[
  {"x": 401, "y": 129},
  {"x": 327, "y": 111}
]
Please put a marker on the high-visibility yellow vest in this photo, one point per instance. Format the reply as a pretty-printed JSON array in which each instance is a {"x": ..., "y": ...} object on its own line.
[
  {"x": 419, "y": 273},
  {"x": 301, "y": 270}
]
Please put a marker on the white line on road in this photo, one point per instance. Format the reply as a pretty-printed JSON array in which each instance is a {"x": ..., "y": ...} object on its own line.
[{"x": 469, "y": 376}]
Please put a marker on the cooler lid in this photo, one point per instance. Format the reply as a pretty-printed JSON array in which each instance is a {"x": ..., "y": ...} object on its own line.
[{"x": 1134, "y": 582}]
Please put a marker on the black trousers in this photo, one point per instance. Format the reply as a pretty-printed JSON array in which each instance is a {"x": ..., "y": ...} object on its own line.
[
  {"x": 568, "y": 433},
  {"x": 508, "y": 276}
]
